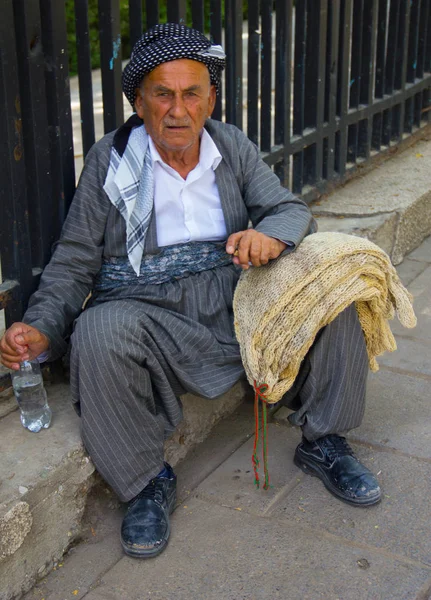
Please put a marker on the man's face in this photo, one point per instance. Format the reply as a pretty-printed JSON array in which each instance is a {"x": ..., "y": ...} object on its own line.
[{"x": 174, "y": 101}]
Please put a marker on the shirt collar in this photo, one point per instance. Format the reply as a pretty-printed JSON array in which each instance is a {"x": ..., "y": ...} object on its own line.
[{"x": 209, "y": 155}]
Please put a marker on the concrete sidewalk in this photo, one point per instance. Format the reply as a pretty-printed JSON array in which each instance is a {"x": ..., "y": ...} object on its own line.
[{"x": 295, "y": 541}]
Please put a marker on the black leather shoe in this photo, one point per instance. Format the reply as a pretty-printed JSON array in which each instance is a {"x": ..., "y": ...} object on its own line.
[
  {"x": 332, "y": 460},
  {"x": 146, "y": 528}
]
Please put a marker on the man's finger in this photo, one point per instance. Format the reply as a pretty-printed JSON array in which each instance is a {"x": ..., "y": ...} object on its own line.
[
  {"x": 233, "y": 241},
  {"x": 32, "y": 336},
  {"x": 13, "y": 357},
  {"x": 244, "y": 250},
  {"x": 256, "y": 250}
]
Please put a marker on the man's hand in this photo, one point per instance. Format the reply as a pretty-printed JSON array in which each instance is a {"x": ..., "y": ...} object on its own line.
[
  {"x": 21, "y": 342},
  {"x": 253, "y": 247}
]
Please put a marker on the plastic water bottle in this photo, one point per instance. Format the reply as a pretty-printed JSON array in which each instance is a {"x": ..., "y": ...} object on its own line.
[{"x": 31, "y": 396}]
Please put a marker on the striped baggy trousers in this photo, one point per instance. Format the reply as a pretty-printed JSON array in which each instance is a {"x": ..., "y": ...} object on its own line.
[{"x": 127, "y": 379}]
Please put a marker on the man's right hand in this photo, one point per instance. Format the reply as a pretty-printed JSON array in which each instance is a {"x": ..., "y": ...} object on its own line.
[{"x": 21, "y": 342}]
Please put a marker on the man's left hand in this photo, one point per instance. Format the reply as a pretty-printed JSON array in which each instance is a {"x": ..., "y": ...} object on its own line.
[{"x": 252, "y": 247}]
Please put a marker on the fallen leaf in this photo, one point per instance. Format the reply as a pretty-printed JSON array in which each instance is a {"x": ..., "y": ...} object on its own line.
[
  {"x": 238, "y": 508},
  {"x": 75, "y": 592},
  {"x": 93, "y": 533},
  {"x": 363, "y": 563},
  {"x": 419, "y": 155}
]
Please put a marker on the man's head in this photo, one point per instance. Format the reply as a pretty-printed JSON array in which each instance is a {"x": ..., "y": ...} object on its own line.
[
  {"x": 171, "y": 82},
  {"x": 174, "y": 100},
  {"x": 168, "y": 42}
]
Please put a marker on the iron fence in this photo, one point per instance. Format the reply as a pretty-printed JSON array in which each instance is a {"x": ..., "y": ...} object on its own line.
[{"x": 321, "y": 86}]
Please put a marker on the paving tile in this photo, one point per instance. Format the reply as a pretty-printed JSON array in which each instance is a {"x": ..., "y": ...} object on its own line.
[
  {"x": 221, "y": 554},
  {"x": 399, "y": 524},
  {"x": 398, "y": 414},
  {"x": 411, "y": 355},
  {"x": 421, "y": 290},
  {"x": 423, "y": 252},
  {"x": 409, "y": 269},
  {"x": 223, "y": 441},
  {"x": 232, "y": 484}
]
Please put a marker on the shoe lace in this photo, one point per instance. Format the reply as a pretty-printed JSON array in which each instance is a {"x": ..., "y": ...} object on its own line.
[
  {"x": 336, "y": 446},
  {"x": 149, "y": 491}
]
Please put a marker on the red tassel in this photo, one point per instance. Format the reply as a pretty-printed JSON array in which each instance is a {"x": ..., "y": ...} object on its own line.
[{"x": 259, "y": 394}]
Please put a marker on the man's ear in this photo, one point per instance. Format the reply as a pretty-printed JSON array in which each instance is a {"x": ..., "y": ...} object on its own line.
[
  {"x": 212, "y": 100},
  {"x": 138, "y": 103}
]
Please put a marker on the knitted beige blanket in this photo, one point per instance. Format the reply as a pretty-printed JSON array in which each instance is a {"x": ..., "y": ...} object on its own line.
[{"x": 280, "y": 308}]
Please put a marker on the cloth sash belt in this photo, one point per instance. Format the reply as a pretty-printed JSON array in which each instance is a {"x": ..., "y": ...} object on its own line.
[{"x": 171, "y": 263}]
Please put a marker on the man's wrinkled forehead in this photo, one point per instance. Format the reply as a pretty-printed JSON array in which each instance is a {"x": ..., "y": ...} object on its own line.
[{"x": 189, "y": 73}]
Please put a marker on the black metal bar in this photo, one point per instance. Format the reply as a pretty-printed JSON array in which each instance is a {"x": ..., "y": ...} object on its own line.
[
  {"x": 368, "y": 62},
  {"x": 381, "y": 49},
  {"x": 15, "y": 248},
  {"x": 54, "y": 38},
  {"x": 426, "y": 106},
  {"x": 332, "y": 78},
  {"x": 299, "y": 91},
  {"x": 215, "y": 18},
  {"x": 152, "y": 12},
  {"x": 266, "y": 75},
  {"x": 135, "y": 20},
  {"x": 253, "y": 71},
  {"x": 321, "y": 76},
  {"x": 110, "y": 62},
  {"x": 423, "y": 33},
  {"x": 177, "y": 10},
  {"x": 427, "y": 67},
  {"x": 413, "y": 40},
  {"x": 356, "y": 53},
  {"x": 283, "y": 88},
  {"x": 84, "y": 75},
  {"x": 35, "y": 127},
  {"x": 344, "y": 82},
  {"x": 428, "y": 45},
  {"x": 369, "y": 73},
  {"x": 198, "y": 14},
  {"x": 391, "y": 65},
  {"x": 417, "y": 109},
  {"x": 233, "y": 28},
  {"x": 355, "y": 76},
  {"x": 403, "y": 54}
]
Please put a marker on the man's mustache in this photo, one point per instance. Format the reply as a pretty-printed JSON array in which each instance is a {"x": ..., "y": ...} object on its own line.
[{"x": 184, "y": 123}]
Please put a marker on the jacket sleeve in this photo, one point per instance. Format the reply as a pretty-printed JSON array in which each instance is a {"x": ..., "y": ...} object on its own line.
[
  {"x": 273, "y": 209},
  {"x": 68, "y": 278}
]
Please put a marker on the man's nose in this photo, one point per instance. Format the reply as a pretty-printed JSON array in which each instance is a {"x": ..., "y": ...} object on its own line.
[{"x": 178, "y": 108}]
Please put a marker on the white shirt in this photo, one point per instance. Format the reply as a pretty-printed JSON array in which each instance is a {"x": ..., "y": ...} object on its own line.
[{"x": 188, "y": 209}]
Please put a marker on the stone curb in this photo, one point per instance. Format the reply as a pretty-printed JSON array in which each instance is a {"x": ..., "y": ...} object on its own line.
[{"x": 45, "y": 480}]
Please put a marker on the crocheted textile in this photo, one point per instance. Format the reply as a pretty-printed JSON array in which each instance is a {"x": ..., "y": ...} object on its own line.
[{"x": 280, "y": 308}]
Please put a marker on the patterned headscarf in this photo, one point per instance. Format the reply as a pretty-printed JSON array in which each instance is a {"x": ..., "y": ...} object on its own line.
[{"x": 166, "y": 42}]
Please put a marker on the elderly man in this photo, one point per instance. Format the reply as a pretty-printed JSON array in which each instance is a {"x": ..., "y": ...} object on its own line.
[{"x": 158, "y": 232}]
